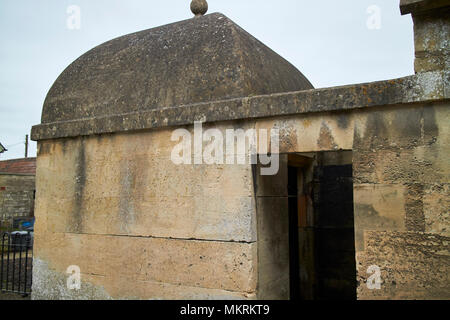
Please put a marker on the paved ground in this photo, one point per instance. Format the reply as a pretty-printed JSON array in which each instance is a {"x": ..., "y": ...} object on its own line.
[{"x": 12, "y": 296}]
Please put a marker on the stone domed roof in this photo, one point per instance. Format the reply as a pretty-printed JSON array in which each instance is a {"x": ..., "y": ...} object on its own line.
[{"x": 203, "y": 59}]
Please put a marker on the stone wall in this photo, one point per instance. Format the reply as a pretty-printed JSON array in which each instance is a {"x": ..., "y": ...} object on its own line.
[
  {"x": 110, "y": 200},
  {"x": 16, "y": 197},
  {"x": 401, "y": 192},
  {"x": 431, "y": 32},
  {"x": 116, "y": 206},
  {"x": 139, "y": 226}
]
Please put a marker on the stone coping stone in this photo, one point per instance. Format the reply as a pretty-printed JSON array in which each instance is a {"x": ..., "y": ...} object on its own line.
[
  {"x": 419, "y": 6},
  {"x": 420, "y": 88}
]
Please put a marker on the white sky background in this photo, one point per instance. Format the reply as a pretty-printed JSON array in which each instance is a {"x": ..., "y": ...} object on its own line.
[{"x": 327, "y": 40}]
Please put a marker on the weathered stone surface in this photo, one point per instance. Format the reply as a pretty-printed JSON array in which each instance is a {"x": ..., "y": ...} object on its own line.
[
  {"x": 378, "y": 207},
  {"x": 413, "y": 265},
  {"x": 275, "y": 185},
  {"x": 402, "y": 128},
  {"x": 436, "y": 208},
  {"x": 424, "y": 87},
  {"x": 16, "y": 196},
  {"x": 415, "y": 218},
  {"x": 309, "y": 133},
  {"x": 199, "y": 7},
  {"x": 419, "y": 6},
  {"x": 401, "y": 151},
  {"x": 402, "y": 145},
  {"x": 198, "y": 60},
  {"x": 129, "y": 186},
  {"x": 425, "y": 165},
  {"x": 49, "y": 284},
  {"x": 205, "y": 264},
  {"x": 431, "y": 34}
]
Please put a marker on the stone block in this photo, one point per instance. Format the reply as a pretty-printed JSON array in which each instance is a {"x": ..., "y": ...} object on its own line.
[
  {"x": 378, "y": 207},
  {"x": 205, "y": 264},
  {"x": 413, "y": 265},
  {"x": 436, "y": 207}
]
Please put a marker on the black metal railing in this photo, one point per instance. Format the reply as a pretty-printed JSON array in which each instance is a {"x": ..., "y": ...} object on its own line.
[{"x": 16, "y": 262}]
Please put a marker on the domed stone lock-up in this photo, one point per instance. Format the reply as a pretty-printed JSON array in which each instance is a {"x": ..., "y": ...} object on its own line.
[{"x": 112, "y": 202}]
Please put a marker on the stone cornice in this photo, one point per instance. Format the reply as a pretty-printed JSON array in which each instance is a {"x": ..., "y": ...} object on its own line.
[
  {"x": 420, "y": 6},
  {"x": 419, "y": 88}
]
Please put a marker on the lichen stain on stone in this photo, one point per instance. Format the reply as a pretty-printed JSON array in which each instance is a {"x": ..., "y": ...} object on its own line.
[
  {"x": 429, "y": 126},
  {"x": 76, "y": 218},
  {"x": 306, "y": 123},
  {"x": 133, "y": 183},
  {"x": 343, "y": 121},
  {"x": 64, "y": 143},
  {"x": 375, "y": 131},
  {"x": 326, "y": 140},
  {"x": 417, "y": 124},
  {"x": 44, "y": 148},
  {"x": 126, "y": 205},
  {"x": 288, "y": 137},
  {"x": 415, "y": 217},
  {"x": 367, "y": 215}
]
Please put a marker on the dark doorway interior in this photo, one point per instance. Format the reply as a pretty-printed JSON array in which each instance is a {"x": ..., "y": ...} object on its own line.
[
  {"x": 321, "y": 226},
  {"x": 294, "y": 263}
]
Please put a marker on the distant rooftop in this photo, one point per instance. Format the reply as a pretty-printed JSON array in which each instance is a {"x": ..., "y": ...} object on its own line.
[
  {"x": 2, "y": 148},
  {"x": 18, "y": 166}
]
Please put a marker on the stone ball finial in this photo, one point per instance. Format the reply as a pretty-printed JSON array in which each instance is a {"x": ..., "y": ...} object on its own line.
[{"x": 199, "y": 7}]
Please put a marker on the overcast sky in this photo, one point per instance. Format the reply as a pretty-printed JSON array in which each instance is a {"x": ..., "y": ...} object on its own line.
[{"x": 331, "y": 42}]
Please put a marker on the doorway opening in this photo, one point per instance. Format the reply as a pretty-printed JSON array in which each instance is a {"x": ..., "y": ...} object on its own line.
[
  {"x": 305, "y": 228},
  {"x": 321, "y": 226}
]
